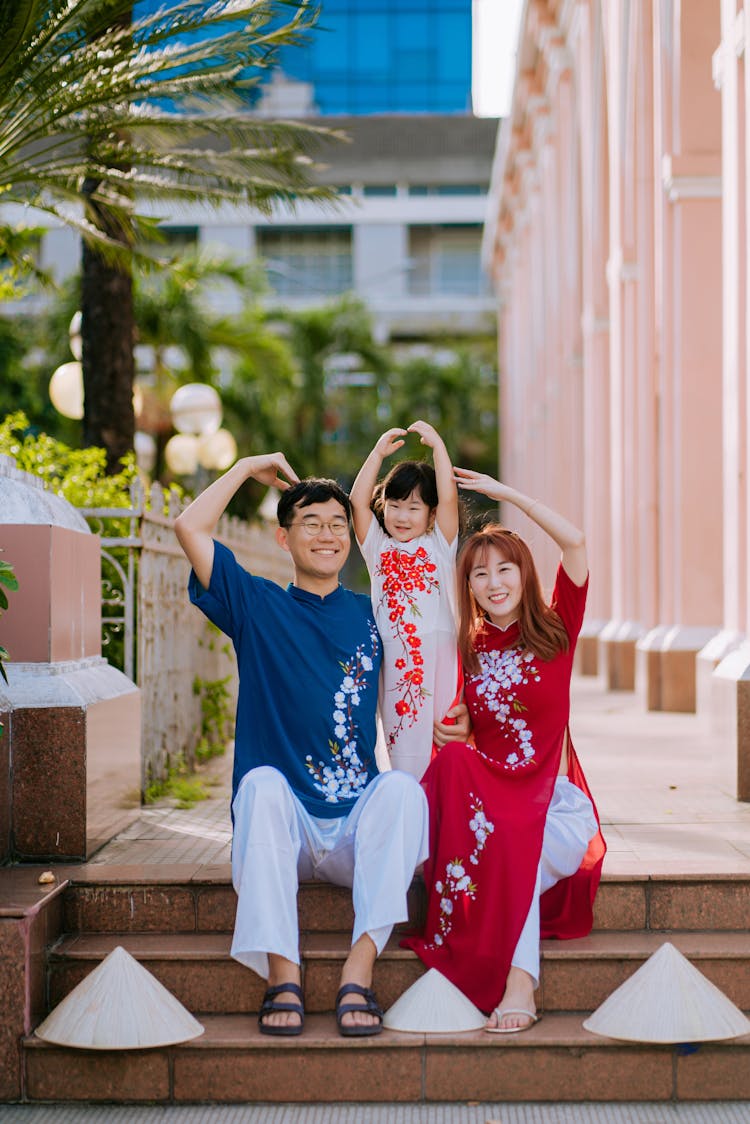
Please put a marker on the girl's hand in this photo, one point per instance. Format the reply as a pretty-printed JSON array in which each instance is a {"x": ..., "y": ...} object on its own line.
[
  {"x": 479, "y": 482},
  {"x": 427, "y": 433},
  {"x": 390, "y": 441}
]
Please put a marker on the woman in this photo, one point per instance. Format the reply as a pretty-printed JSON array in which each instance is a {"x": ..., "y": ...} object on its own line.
[{"x": 514, "y": 835}]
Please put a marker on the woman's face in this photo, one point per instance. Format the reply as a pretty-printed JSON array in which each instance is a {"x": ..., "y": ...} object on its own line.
[{"x": 496, "y": 585}]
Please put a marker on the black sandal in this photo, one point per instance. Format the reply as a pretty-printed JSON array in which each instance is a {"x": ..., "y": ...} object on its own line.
[
  {"x": 370, "y": 1006},
  {"x": 271, "y": 1004}
]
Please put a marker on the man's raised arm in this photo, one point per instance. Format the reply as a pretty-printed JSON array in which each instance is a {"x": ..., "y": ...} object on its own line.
[{"x": 196, "y": 525}]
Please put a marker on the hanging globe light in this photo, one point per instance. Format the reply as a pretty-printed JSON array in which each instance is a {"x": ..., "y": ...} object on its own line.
[
  {"x": 218, "y": 450},
  {"x": 181, "y": 454},
  {"x": 145, "y": 450},
  {"x": 196, "y": 408},
  {"x": 66, "y": 390},
  {"x": 74, "y": 335}
]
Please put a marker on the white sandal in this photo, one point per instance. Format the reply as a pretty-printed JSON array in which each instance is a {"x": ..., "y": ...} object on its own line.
[{"x": 512, "y": 1029}]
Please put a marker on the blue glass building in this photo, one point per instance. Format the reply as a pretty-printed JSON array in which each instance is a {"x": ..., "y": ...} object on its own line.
[
  {"x": 387, "y": 56},
  {"x": 382, "y": 56}
]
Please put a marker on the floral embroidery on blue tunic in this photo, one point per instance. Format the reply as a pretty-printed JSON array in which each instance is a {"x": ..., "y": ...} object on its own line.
[{"x": 347, "y": 775}]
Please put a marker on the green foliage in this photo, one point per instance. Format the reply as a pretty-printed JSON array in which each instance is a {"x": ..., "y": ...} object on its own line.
[
  {"x": 217, "y": 716},
  {"x": 19, "y": 266},
  {"x": 180, "y": 784},
  {"x": 78, "y": 475},
  {"x": 10, "y": 581}
]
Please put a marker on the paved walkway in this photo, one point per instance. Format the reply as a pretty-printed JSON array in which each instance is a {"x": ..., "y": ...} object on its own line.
[{"x": 662, "y": 786}]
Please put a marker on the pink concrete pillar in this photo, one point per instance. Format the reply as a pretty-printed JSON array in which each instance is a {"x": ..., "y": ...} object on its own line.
[
  {"x": 726, "y": 694},
  {"x": 624, "y": 271},
  {"x": 592, "y": 127},
  {"x": 688, "y": 266},
  {"x": 70, "y": 753}
]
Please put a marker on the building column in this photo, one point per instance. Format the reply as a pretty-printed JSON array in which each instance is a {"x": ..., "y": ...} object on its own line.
[
  {"x": 687, "y": 207},
  {"x": 625, "y": 272},
  {"x": 725, "y": 694},
  {"x": 588, "y": 46}
]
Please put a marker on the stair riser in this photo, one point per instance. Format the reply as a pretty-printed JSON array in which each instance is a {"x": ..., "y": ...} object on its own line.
[
  {"x": 224, "y": 987},
  {"x": 623, "y": 905},
  {"x": 356, "y": 1072}
]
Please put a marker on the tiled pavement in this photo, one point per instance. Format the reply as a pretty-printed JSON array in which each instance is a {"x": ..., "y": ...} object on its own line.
[{"x": 662, "y": 787}]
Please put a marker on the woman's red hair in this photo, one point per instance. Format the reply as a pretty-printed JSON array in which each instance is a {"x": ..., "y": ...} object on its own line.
[{"x": 541, "y": 630}]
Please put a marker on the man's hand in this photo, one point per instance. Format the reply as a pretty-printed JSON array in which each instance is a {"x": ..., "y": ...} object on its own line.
[
  {"x": 265, "y": 468},
  {"x": 457, "y": 730}
]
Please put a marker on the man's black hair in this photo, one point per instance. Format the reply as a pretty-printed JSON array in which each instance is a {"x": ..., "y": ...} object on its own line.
[
  {"x": 314, "y": 489},
  {"x": 403, "y": 479}
]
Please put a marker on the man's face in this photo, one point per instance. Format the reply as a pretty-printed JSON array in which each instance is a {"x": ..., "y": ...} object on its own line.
[{"x": 318, "y": 540}]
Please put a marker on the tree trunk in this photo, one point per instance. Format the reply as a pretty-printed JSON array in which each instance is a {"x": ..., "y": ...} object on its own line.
[{"x": 107, "y": 333}]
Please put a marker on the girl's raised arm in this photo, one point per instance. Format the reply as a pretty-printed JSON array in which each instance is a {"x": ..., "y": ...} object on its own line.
[
  {"x": 447, "y": 508},
  {"x": 569, "y": 538},
  {"x": 367, "y": 478}
]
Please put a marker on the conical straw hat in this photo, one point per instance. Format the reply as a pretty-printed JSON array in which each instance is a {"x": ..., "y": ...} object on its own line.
[
  {"x": 119, "y": 1006},
  {"x": 668, "y": 1000},
  {"x": 433, "y": 1005}
]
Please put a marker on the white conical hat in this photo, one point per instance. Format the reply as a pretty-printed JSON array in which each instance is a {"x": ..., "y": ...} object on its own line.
[
  {"x": 668, "y": 1000},
  {"x": 119, "y": 1006},
  {"x": 433, "y": 1005}
]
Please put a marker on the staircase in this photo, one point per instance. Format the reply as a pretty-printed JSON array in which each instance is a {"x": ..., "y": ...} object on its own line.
[{"x": 180, "y": 929}]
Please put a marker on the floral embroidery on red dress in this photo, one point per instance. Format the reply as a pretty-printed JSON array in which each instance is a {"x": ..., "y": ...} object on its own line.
[
  {"x": 457, "y": 882},
  {"x": 405, "y": 576},
  {"x": 502, "y": 671}
]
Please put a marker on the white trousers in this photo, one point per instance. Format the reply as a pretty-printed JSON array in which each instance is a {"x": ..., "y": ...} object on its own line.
[
  {"x": 374, "y": 850},
  {"x": 569, "y": 827}
]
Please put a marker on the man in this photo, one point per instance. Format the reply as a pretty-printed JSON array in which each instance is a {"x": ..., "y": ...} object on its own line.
[{"x": 308, "y": 800}]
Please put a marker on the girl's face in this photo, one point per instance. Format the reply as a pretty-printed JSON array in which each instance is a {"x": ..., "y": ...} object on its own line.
[
  {"x": 496, "y": 585},
  {"x": 408, "y": 518}
]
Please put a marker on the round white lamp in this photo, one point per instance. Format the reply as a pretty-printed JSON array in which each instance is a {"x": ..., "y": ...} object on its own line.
[
  {"x": 218, "y": 451},
  {"x": 196, "y": 408},
  {"x": 74, "y": 335},
  {"x": 181, "y": 454},
  {"x": 145, "y": 450},
  {"x": 66, "y": 390}
]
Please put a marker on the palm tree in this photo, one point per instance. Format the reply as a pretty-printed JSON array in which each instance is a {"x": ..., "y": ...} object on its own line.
[{"x": 108, "y": 113}]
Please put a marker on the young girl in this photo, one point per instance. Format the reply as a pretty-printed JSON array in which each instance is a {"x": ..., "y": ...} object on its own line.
[{"x": 409, "y": 546}]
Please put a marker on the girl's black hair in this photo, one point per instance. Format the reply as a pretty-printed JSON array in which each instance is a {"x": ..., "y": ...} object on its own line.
[{"x": 403, "y": 479}]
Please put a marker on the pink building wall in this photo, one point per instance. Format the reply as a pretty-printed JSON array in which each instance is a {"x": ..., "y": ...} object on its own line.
[{"x": 617, "y": 240}]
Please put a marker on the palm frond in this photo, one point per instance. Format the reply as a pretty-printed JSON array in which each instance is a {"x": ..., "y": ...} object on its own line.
[{"x": 151, "y": 110}]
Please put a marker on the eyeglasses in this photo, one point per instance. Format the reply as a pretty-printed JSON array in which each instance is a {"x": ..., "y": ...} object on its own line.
[{"x": 313, "y": 527}]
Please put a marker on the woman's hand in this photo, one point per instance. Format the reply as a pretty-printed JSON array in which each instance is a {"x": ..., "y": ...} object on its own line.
[{"x": 480, "y": 482}]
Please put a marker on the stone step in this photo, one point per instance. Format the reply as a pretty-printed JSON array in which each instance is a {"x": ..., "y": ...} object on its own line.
[
  {"x": 126, "y": 902},
  {"x": 557, "y": 1061},
  {"x": 576, "y": 975}
]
